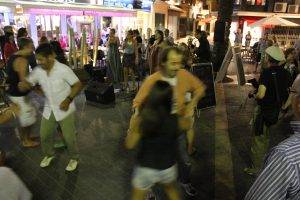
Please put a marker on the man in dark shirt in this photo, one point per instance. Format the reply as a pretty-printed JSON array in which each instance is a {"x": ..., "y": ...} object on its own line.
[
  {"x": 203, "y": 51},
  {"x": 271, "y": 95}
]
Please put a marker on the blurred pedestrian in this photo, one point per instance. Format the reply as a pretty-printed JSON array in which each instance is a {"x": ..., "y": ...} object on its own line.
[
  {"x": 187, "y": 55},
  {"x": 43, "y": 40},
  {"x": 113, "y": 57},
  {"x": 291, "y": 64},
  {"x": 59, "y": 105},
  {"x": 130, "y": 60},
  {"x": 248, "y": 39},
  {"x": 17, "y": 70},
  {"x": 10, "y": 46},
  {"x": 156, "y": 49},
  {"x": 12, "y": 187},
  {"x": 168, "y": 38},
  {"x": 156, "y": 134},
  {"x": 3, "y": 38},
  {"x": 22, "y": 32},
  {"x": 271, "y": 96},
  {"x": 183, "y": 82},
  {"x": 238, "y": 38},
  {"x": 203, "y": 52}
]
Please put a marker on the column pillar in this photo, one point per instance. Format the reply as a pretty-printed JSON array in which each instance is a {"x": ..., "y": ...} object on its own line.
[
  {"x": 6, "y": 18},
  {"x": 33, "y": 29},
  {"x": 96, "y": 21},
  {"x": 63, "y": 25}
]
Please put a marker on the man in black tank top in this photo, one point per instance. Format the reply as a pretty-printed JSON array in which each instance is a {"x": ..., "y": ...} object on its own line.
[{"x": 17, "y": 70}]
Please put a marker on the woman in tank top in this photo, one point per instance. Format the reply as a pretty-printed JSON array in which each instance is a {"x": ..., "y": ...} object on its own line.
[
  {"x": 130, "y": 57},
  {"x": 156, "y": 135}
]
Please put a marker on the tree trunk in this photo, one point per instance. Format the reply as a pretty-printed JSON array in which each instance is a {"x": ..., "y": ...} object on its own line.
[{"x": 225, "y": 12}]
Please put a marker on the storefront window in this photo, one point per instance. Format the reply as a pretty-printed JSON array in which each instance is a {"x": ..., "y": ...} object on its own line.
[{"x": 159, "y": 21}]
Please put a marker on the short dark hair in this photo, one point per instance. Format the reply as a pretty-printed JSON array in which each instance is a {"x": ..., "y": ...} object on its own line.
[
  {"x": 136, "y": 32},
  {"x": 129, "y": 32},
  {"x": 113, "y": 30},
  {"x": 22, "y": 32},
  {"x": 288, "y": 52},
  {"x": 163, "y": 57},
  {"x": 23, "y": 42},
  {"x": 45, "y": 50},
  {"x": 272, "y": 60},
  {"x": 198, "y": 31}
]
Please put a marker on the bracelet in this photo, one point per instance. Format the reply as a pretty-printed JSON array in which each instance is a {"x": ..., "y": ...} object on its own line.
[{"x": 12, "y": 112}]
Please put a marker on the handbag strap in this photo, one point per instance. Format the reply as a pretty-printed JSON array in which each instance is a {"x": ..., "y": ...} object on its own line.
[{"x": 276, "y": 87}]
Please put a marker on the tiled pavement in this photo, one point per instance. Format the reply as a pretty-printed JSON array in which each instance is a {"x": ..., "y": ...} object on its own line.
[{"x": 105, "y": 166}]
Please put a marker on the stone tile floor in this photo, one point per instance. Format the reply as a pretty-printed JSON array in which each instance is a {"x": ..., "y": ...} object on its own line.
[{"x": 105, "y": 166}]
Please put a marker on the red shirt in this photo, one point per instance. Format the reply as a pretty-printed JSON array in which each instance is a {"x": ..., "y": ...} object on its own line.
[{"x": 9, "y": 49}]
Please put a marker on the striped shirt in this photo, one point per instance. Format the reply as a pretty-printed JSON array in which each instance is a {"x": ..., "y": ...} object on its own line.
[{"x": 280, "y": 177}]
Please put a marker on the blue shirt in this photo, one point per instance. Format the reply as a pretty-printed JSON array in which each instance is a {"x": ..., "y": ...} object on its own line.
[{"x": 280, "y": 177}]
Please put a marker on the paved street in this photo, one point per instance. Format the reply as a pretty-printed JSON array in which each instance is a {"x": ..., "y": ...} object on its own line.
[{"x": 223, "y": 137}]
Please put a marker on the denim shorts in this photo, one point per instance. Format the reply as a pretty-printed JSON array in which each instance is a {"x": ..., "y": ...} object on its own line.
[{"x": 144, "y": 178}]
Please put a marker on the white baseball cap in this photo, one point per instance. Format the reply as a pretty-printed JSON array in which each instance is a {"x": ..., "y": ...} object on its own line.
[{"x": 276, "y": 53}]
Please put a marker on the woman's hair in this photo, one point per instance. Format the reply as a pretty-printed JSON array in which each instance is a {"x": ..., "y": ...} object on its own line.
[
  {"x": 161, "y": 35},
  {"x": 7, "y": 36},
  {"x": 113, "y": 30},
  {"x": 129, "y": 32},
  {"x": 22, "y": 32},
  {"x": 43, "y": 40},
  {"x": 136, "y": 32},
  {"x": 156, "y": 108},
  {"x": 59, "y": 52}
]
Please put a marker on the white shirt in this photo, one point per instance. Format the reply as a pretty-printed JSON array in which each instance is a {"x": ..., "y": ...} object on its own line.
[
  {"x": 173, "y": 83},
  {"x": 56, "y": 86},
  {"x": 11, "y": 187}
]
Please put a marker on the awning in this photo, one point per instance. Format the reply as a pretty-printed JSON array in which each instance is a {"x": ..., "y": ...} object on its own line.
[
  {"x": 264, "y": 14},
  {"x": 273, "y": 21},
  {"x": 175, "y": 8}
]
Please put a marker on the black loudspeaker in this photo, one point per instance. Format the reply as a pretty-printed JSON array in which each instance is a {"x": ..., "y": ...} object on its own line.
[
  {"x": 219, "y": 35},
  {"x": 98, "y": 92},
  {"x": 96, "y": 74}
]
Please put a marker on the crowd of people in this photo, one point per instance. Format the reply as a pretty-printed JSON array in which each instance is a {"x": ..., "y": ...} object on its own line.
[
  {"x": 45, "y": 71},
  {"x": 161, "y": 126}
]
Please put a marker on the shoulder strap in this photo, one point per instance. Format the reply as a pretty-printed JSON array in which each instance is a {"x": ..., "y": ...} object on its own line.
[{"x": 276, "y": 88}]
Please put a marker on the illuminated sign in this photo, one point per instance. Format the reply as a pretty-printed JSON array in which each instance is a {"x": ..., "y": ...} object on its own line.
[
  {"x": 53, "y": 1},
  {"x": 130, "y": 4},
  {"x": 59, "y": 1}
]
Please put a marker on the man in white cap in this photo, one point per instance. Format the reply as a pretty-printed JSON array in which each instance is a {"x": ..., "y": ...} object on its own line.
[{"x": 271, "y": 95}]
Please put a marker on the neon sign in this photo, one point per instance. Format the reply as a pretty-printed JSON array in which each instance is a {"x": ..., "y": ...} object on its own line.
[{"x": 59, "y": 1}]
